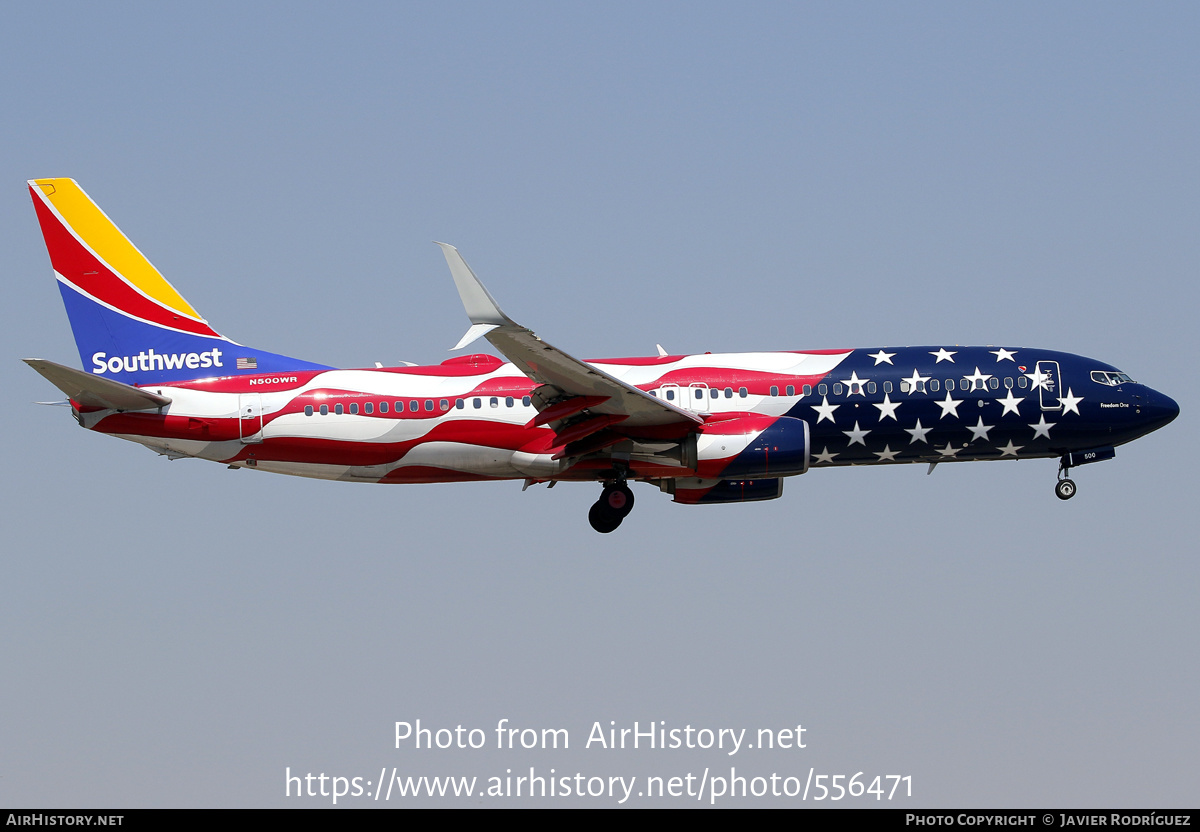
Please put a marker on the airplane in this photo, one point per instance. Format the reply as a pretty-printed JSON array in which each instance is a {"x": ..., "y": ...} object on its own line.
[{"x": 706, "y": 429}]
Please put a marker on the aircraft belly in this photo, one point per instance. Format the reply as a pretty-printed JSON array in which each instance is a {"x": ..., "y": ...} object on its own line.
[{"x": 457, "y": 456}]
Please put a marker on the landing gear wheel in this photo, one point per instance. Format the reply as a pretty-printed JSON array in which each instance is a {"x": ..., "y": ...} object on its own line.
[
  {"x": 1065, "y": 489},
  {"x": 619, "y": 500},
  {"x": 602, "y": 518}
]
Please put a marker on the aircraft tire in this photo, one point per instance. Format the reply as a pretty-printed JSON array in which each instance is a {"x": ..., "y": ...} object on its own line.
[
  {"x": 602, "y": 518},
  {"x": 1065, "y": 489},
  {"x": 618, "y": 499}
]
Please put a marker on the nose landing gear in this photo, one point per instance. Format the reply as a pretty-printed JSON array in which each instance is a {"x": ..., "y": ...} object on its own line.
[
  {"x": 615, "y": 503},
  {"x": 1065, "y": 488}
]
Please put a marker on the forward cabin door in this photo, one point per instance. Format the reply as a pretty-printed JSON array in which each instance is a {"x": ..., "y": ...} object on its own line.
[
  {"x": 1051, "y": 385},
  {"x": 250, "y": 418}
]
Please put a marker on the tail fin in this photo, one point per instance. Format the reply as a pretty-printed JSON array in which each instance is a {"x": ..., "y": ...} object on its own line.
[{"x": 130, "y": 324}]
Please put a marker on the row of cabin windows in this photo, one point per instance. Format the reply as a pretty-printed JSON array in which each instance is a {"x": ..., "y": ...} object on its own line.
[
  {"x": 715, "y": 392},
  {"x": 933, "y": 386},
  {"x": 414, "y": 406}
]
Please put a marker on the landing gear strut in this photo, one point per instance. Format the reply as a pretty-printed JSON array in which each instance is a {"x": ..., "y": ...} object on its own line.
[
  {"x": 615, "y": 503},
  {"x": 1064, "y": 489}
]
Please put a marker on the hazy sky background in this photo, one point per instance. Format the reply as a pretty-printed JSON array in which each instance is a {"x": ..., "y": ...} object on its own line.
[{"x": 709, "y": 177}]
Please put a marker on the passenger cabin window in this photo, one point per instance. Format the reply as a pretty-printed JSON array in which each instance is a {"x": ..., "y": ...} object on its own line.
[
  {"x": 822, "y": 389},
  {"x": 699, "y": 393},
  {"x": 383, "y": 408},
  {"x": 837, "y": 389},
  {"x": 308, "y": 411},
  {"x": 324, "y": 410},
  {"x": 414, "y": 406},
  {"x": 337, "y": 408},
  {"x": 905, "y": 387},
  {"x": 525, "y": 400},
  {"x": 1022, "y": 382},
  {"x": 478, "y": 403},
  {"x": 791, "y": 390},
  {"x": 949, "y": 384},
  {"x": 368, "y": 408},
  {"x": 808, "y": 389},
  {"x": 993, "y": 383},
  {"x": 508, "y": 401},
  {"x": 870, "y": 387},
  {"x": 742, "y": 392},
  {"x": 354, "y": 408},
  {"x": 934, "y": 384},
  {"x": 443, "y": 405},
  {"x": 729, "y": 392},
  {"x": 459, "y": 404},
  {"x": 774, "y": 390},
  {"x": 494, "y": 401},
  {"x": 670, "y": 395},
  {"x": 887, "y": 387},
  {"x": 1008, "y": 383}
]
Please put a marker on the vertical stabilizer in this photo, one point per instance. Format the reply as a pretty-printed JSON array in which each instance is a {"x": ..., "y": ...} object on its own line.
[{"x": 130, "y": 324}]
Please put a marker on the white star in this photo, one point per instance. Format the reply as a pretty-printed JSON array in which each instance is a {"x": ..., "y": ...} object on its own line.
[
  {"x": 825, "y": 409},
  {"x": 949, "y": 406},
  {"x": 856, "y": 435},
  {"x": 1070, "y": 402},
  {"x": 855, "y": 386},
  {"x": 887, "y": 409},
  {"x": 1042, "y": 428},
  {"x": 918, "y": 433},
  {"x": 887, "y": 454},
  {"x": 1012, "y": 404},
  {"x": 824, "y": 456},
  {"x": 1010, "y": 449},
  {"x": 916, "y": 379},
  {"x": 1004, "y": 355},
  {"x": 944, "y": 355},
  {"x": 949, "y": 450},
  {"x": 978, "y": 380},
  {"x": 881, "y": 357},
  {"x": 1039, "y": 379},
  {"x": 979, "y": 430}
]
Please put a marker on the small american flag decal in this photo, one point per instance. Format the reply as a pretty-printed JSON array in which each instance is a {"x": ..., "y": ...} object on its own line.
[{"x": 247, "y": 363}]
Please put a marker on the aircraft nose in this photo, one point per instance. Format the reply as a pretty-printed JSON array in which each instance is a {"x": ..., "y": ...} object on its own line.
[{"x": 1158, "y": 410}]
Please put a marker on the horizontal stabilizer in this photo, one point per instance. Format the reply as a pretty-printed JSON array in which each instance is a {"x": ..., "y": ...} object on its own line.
[{"x": 91, "y": 390}]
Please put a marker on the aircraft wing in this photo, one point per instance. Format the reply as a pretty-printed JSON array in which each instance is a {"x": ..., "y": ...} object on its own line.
[
  {"x": 569, "y": 377},
  {"x": 93, "y": 391}
]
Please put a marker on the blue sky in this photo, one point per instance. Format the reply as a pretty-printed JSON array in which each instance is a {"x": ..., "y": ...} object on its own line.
[{"x": 708, "y": 177}]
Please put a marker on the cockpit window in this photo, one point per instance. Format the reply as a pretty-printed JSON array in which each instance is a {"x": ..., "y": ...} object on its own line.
[{"x": 1110, "y": 379}]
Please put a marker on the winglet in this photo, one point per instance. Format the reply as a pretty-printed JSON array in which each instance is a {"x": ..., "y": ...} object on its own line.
[
  {"x": 474, "y": 333},
  {"x": 481, "y": 307}
]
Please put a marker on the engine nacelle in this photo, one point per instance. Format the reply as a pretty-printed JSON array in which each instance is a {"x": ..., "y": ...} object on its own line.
[
  {"x": 752, "y": 445},
  {"x": 696, "y": 492}
]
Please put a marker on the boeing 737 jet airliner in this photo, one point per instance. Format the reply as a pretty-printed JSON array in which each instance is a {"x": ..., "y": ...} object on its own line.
[{"x": 704, "y": 428}]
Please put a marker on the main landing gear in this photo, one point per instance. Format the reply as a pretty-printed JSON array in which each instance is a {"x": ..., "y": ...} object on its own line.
[
  {"x": 615, "y": 503},
  {"x": 1064, "y": 489}
]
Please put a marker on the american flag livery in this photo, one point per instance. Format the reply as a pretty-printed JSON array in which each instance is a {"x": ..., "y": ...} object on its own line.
[{"x": 705, "y": 429}]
